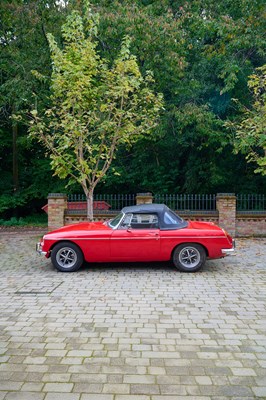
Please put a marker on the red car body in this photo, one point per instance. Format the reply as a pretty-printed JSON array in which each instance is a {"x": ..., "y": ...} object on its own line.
[{"x": 143, "y": 233}]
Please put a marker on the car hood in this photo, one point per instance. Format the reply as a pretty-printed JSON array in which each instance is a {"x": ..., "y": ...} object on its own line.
[{"x": 80, "y": 229}]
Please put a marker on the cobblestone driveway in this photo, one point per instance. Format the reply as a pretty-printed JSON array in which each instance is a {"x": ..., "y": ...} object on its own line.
[{"x": 131, "y": 332}]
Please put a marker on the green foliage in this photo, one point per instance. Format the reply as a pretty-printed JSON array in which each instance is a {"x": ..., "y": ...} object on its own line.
[
  {"x": 29, "y": 221},
  {"x": 250, "y": 136},
  {"x": 95, "y": 107},
  {"x": 202, "y": 54},
  {"x": 25, "y": 174}
]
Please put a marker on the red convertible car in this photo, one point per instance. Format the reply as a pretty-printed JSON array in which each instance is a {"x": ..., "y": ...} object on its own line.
[{"x": 148, "y": 232}]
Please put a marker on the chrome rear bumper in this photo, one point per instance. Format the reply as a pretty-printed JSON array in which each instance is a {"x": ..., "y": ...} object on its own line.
[
  {"x": 227, "y": 252},
  {"x": 39, "y": 249}
]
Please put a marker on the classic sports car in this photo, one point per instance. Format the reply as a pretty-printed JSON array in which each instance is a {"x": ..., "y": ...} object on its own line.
[{"x": 148, "y": 232}]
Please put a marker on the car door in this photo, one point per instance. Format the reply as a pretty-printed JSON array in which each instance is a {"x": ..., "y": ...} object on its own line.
[{"x": 136, "y": 239}]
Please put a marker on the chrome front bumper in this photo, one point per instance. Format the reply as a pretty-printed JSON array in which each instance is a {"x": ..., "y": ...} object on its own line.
[
  {"x": 228, "y": 252},
  {"x": 39, "y": 249}
]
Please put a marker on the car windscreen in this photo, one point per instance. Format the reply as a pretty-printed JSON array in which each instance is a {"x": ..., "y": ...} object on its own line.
[{"x": 115, "y": 221}]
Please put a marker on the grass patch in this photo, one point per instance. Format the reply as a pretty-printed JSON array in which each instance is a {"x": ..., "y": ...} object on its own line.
[{"x": 31, "y": 220}]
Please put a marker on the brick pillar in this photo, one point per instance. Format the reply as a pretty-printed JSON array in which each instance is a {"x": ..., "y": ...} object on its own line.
[
  {"x": 57, "y": 203},
  {"x": 226, "y": 206},
  {"x": 144, "y": 198}
]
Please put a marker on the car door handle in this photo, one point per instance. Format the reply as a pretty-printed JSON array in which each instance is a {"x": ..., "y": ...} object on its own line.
[{"x": 154, "y": 234}]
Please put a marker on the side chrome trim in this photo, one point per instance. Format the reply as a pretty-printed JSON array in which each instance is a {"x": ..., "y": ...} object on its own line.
[
  {"x": 77, "y": 238},
  {"x": 191, "y": 238},
  {"x": 188, "y": 239},
  {"x": 121, "y": 238}
]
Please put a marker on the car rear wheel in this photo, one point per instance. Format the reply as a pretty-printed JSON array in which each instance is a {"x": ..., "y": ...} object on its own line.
[
  {"x": 67, "y": 257},
  {"x": 189, "y": 257}
]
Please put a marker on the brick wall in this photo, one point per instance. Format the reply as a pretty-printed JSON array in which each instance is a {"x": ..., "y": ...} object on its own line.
[
  {"x": 251, "y": 225},
  {"x": 57, "y": 204},
  {"x": 226, "y": 206}
]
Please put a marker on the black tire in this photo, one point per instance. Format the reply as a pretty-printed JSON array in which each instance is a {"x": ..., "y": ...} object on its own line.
[
  {"x": 189, "y": 257},
  {"x": 67, "y": 257}
]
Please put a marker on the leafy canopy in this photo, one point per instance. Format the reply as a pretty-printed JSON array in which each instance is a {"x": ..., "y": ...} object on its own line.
[
  {"x": 95, "y": 107},
  {"x": 250, "y": 131}
]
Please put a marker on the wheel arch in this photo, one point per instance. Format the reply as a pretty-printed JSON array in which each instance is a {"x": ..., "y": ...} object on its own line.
[
  {"x": 190, "y": 243},
  {"x": 65, "y": 241}
]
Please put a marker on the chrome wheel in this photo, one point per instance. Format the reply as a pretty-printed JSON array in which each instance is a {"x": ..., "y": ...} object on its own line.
[
  {"x": 189, "y": 257},
  {"x": 66, "y": 257}
]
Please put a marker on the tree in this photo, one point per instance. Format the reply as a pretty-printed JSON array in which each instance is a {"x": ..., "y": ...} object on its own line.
[
  {"x": 94, "y": 107},
  {"x": 25, "y": 173},
  {"x": 250, "y": 136}
]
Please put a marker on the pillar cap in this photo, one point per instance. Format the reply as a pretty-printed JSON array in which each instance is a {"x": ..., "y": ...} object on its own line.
[
  {"x": 144, "y": 194},
  {"x": 226, "y": 195},
  {"x": 57, "y": 196}
]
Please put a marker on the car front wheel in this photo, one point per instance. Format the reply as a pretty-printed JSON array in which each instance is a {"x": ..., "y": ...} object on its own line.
[
  {"x": 67, "y": 257},
  {"x": 189, "y": 257}
]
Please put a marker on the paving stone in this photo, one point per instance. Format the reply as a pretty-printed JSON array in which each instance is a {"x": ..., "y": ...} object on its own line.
[
  {"x": 79, "y": 353},
  {"x": 176, "y": 390},
  {"x": 227, "y": 391},
  {"x": 56, "y": 377},
  {"x": 132, "y": 397},
  {"x": 156, "y": 371},
  {"x": 168, "y": 380},
  {"x": 121, "y": 388},
  {"x": 243, "y": 372},
  {"x": 144, "y": 389},
  {"x": 36, "y": 368},
  {"x": 10, "y": 385},
  {"x": 32, "y": 387},
  {"x": 89, "y": 378},
  {"x": 149, "y": 379},
  {"x": 115, "y": 378},
  {"x": 55, "y": 353},
  {"x": 35, "y": 360},
  {"x": 187, "y": 397},
  {"x": 203, "y": 380},
  {"x": 58, "y": 387},
  {"x": 97, "y": 397},
  {"x": 88, "y": 388},
  {"x": 260, "y": 391},
  {"x": 62, "y": 396},
  {"x": 25, "y": 396}
]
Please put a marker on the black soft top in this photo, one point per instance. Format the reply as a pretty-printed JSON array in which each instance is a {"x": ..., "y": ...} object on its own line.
[
  {"x": 160, "y": 210},
  {"x": 144, "y": 208}
]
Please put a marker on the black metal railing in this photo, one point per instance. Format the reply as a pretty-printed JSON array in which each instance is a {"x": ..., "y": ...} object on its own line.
[
  {"x": 188, "y": 202},
  {"x": 251, "y": 202},
  {"x": 178, "y": 202},
  {"x": 101, "y": 202}
]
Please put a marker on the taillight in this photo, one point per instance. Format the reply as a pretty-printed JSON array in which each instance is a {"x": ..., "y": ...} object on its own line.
[{"x": 229, "y": 237}]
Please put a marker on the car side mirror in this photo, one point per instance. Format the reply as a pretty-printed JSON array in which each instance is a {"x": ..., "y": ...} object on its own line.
[{"x": 129, "y": 228}]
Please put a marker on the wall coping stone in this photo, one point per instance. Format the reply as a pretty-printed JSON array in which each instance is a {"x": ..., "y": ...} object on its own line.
[
  {"x": 251, "y": 214},
  {"x": 225, "y": 196},
  {"x": 57, "y": 196}
]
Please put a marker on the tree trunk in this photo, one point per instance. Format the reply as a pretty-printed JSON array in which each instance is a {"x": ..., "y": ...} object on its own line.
[{"x": 90, "y": 204}]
